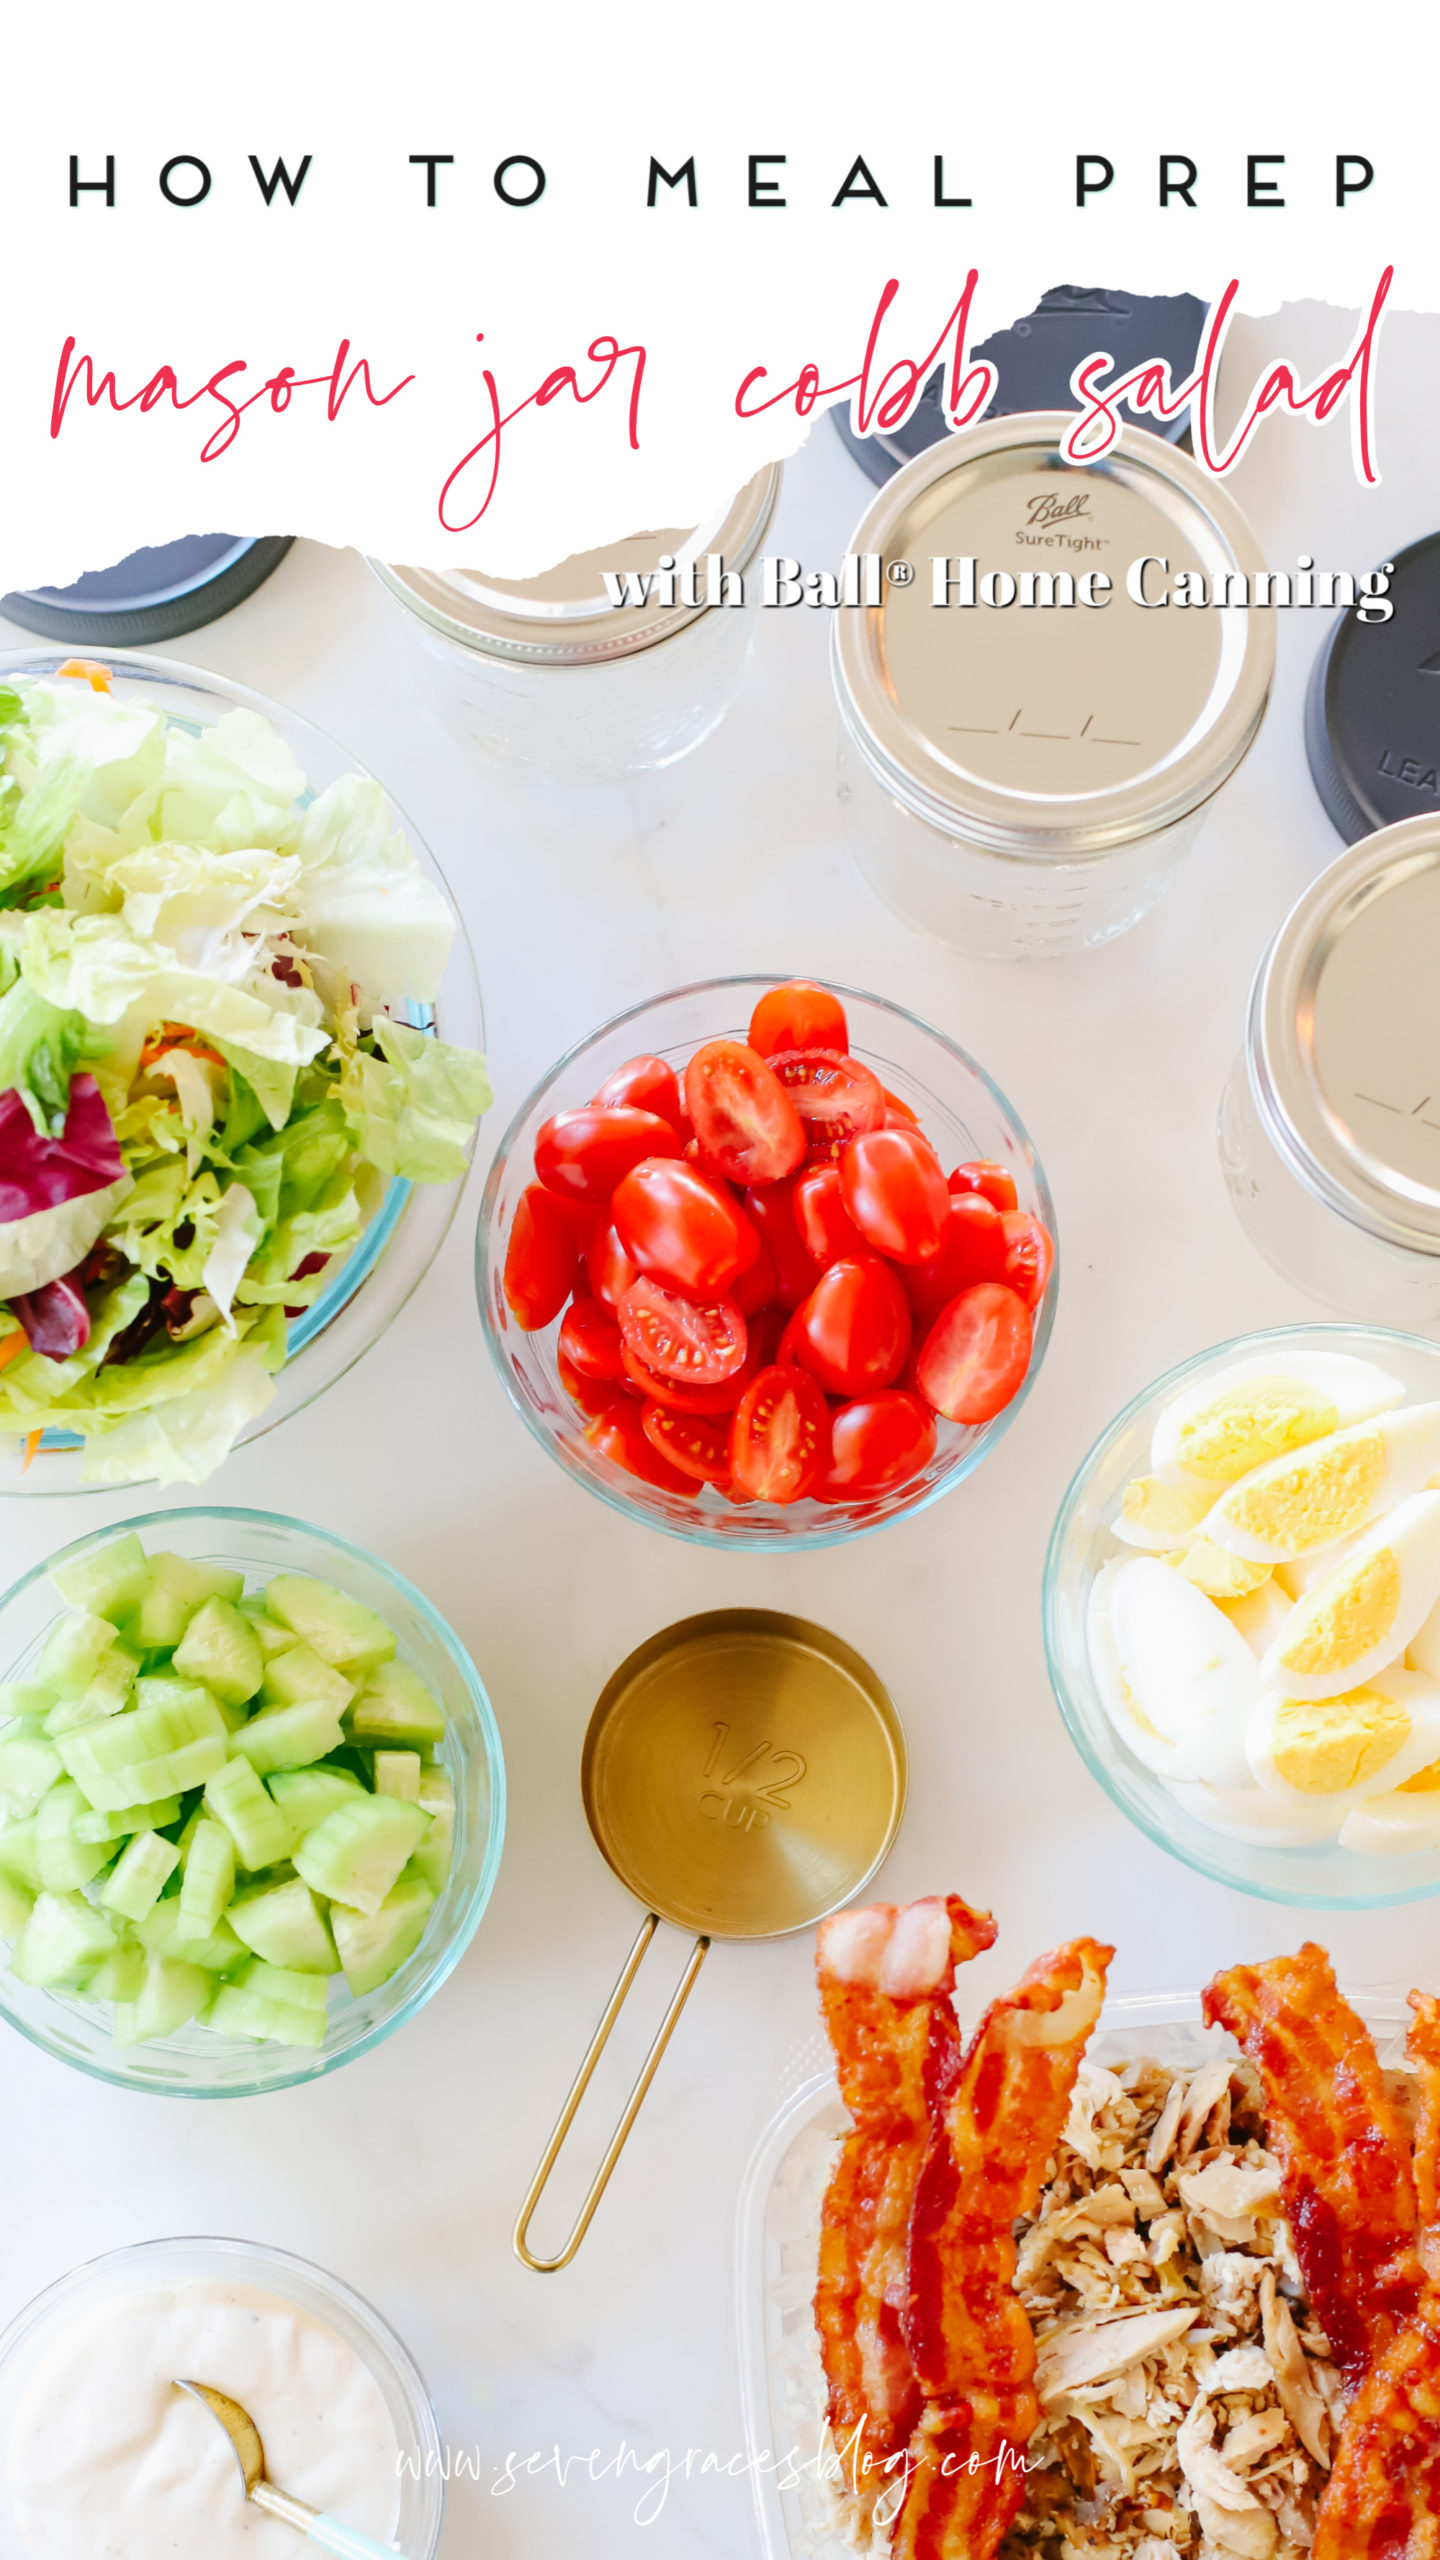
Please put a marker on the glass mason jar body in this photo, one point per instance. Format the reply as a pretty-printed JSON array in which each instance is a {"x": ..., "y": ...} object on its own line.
[{"x": 1309, "y": 1243}]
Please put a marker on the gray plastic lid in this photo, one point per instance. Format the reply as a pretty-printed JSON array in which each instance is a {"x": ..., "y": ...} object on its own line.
[{"x": 153, "y": 594}]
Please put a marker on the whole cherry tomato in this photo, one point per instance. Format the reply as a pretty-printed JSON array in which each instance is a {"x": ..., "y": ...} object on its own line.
[
  {"x": 799, "y": 1015},
  {"x": 988, "y": 1178},
  {"x": 780, "y": 1437},
  {"x": 648, "y": 1085},
  {"x": 590, "y": 1341},
  {"x": 773, "y": 1212},
  {"x": 877, "y": 1440},
  {"x": 542, "y": 1257},
  {"x": 743, "y": 1121},
  {"x": 853, "y": 1331},
  {"x": 898, "y": 1114},
  {"x": 677, "y": 1226},
  {"x": 697, "y": 1447},
  {"x": 583, "y": 1154},
  {"x": 756, "y": 1286},
  {"x": 972, "y": 1248},
  {"x": 1029, "y": 1256},
  {"x": 827, "y": 1230},
  {"x": 701, "y": 1344},
  {"x": 835, "y": 1097},
  {"x": 895, "y": 1192},
  {"x": 620, "y": 1435},
  {"x": 608, "y": 1266},
  {"x": 976, "y": 1353},
  {"x": 592, "y": 1395}
]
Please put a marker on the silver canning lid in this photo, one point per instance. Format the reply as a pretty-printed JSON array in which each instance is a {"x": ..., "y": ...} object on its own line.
[
  {"x": 1053, "y": 730},
  {"x": 563, "y": 617},
  {"x": 1343, "y": 1045}
]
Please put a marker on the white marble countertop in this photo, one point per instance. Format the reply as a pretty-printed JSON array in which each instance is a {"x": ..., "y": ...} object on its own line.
[{"x": 403, "y": 2172}]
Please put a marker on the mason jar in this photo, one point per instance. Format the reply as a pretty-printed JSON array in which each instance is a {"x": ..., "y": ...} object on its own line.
[
  {"x": 1330, "y": 1123},
  {"x": 547, "y": 674},
  {"x": 1029, "y": 745}
]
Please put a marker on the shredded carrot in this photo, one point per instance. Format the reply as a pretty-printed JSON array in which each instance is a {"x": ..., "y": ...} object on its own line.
[
  {"x": 31, "y": 1446},
  {"x": 98, "y": 675},
  {"x": 11, "y": 1348}
]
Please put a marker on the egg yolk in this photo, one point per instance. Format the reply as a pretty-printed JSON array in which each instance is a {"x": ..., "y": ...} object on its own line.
[
  {"x": 1342, "y": 1620},
  {"x": 1258, "y": 1420},
  {"x": 1324, "y": 1747},
  {"x": 1319, "y": 1498},
  {"x": 1217, "y": 1573},
  {"x": 1167, "y": 1511},
  {"x": 1426, "y": 1782}
]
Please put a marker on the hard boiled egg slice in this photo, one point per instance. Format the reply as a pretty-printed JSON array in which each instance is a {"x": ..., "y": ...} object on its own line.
[
  {"x": 1217, "y": 1573},
  {"x": 1362, "y": 1614},
  {"x": 1335, "y": 1486},
  {"x": 1370, "y": 1738},
  {"x": 1301, "y": 1573},
  {"x": 1186, "y": 1672},
  {"x": 1260, "y": 1615},
  {"x": 1408, "y": 1817},
  {"x": 1134, "y": 1728},
  {"x": 1160, "y": 1516},
  {"x": 1259, "y": 1408},
  {"x": 1248, "y": 1813},
  {"x": 1423, "y": 1651}
]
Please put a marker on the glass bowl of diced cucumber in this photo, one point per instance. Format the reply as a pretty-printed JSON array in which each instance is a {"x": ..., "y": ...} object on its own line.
[{"x": 252, "y": 1803}]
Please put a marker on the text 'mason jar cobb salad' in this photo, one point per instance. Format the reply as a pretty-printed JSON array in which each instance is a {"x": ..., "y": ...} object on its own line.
[{"x": 221, "y": 970}]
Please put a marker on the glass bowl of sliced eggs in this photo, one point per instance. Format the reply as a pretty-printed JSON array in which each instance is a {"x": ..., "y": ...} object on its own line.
[{"x": 1242, "y": 1614}]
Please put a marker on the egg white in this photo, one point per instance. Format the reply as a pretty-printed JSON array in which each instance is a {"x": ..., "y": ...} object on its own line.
[
  {"x": 1392, "y": 1825},
  {"x": 1184, "y": 1669},
  {"x": 1248, "y": 1813},
  {"x": 1261, "y": 1616}
]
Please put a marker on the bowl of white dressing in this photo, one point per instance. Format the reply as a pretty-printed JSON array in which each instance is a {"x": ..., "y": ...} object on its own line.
[{"x": 99, "y": 2453}]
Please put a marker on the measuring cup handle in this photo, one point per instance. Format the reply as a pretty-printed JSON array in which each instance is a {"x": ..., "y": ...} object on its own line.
[{"x": 633, "y": 2104}]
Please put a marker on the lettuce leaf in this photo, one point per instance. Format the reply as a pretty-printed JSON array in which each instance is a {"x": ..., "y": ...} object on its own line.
[
  {"x": 42, "y": 1247},
  {"x": 40, "y": 1047},
  {"x": 363, "y": 902},
  {"x": 184, "y": 1440},
  {"x": 413, "y": 1109}
]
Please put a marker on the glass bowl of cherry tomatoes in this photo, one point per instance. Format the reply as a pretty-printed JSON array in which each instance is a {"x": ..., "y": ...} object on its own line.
[{"x": 767, "y": 1265}]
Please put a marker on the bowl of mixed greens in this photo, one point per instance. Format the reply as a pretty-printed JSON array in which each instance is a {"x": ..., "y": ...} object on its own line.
[{"x": 240, "y": 1069}]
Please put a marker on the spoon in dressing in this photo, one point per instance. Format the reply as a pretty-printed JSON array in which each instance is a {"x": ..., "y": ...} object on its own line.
[{"x": 326, "y": 2532}]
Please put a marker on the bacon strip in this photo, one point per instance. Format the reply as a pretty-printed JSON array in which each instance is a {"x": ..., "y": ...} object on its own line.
[
  {"x": 970, "y": 2339},
  {"x": 1382, "y": 2500},
  {"x": 1345, "y": 2161},
  {"x": 885, "y": 1981}
]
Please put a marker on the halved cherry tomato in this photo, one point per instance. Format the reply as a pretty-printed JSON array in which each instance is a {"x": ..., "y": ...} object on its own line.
[
  {"x": 976, "y": 1354},
  {"x": 972, "y": 1248},
  {"x": 648, "y": 1085},
  {"x": 773, "y": 1211},
  {"x": 1029, "y": 1256},
  {"x": 742, "y": 1119},
  {"x": 677, "y": 1226},
  {"x": 699, "y": 1448},
  {"x": 590, "y": 1340},
  {"x": 699, "y": 1344},
  {"x": 987, "y": 1177},
  {"x": 835, "y": 1097},
  {"x": 895, "y": 1191},
  {"x": 799, "y": 1015},
  {"x": 756, "y": 1287},
  {"x": 678, "y": 1396},
  {"x": 780, "y": 1437},
  {"x": 853, "y": 1331},
  {"x": 827, "y": 1230},
  {"x": 875, "y": 1441},
  {"x": 620, "y": 1435},
  {"x": 583, "y": 1154},
  {"x": 592, "y": 1395},
  {"x": 898, "y": 1114},
  {"x": 608, "y": 1266},
  {"x": 542, "y": 1257}
]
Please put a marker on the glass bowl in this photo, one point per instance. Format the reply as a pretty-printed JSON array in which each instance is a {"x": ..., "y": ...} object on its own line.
[
  {"x": 194, "y": 2063},
  {"x": 961, "y": 1111},
  {"x": 156, "y": 2264},
  {"x": 382, "y": 1271},
  {"x": 1320, "y": 1877}
]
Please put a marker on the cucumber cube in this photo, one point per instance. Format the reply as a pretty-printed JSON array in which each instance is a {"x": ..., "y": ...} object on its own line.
[
  {"x": 285, "y": 1924},
  {"x": 74, "y": 1651},
  {"x": 108, "y": 1693},
  {"x": 356, "y": 1854},
  {"x": 120, "y": 1976},
  {"x": 140, "y": 1875},
  {"x": 29, "y": 1765},
  {"x": 209, "y": 1878},
  {"x": 268, "y": 1633},
  {"x": 166, "y": 1744},
  {"x": 164, "y": 1934},
  {"x": 374, "y": 1945},
  {"x": 397, "y": 1773},
  {"x": 170, "y": 1995},
  {"x": 177, "y": 1588},
  {"x": 342, "y": 1630},
  {"x": 432, "y": 1858},
  {"x": 272, "y": 2004},
  {"x": 111, "y": 1583},
  {"x": 288, "y": 1737},
  {"x": 65, "y": 1863},
  {"x": 396, "y": 1706},
  {"x": 19, "y": 1853},
  {"x": 16, "y": 1904},
  {"x": 237, "y": 1797},
  {"x": 24, "y": 1698},
  {"x": 298, "y": 1677},
  {"x": 136, "y": 1817},
  {"x": 63, "y": 1940},
  {"x": 305, "y": 1796},
  {"x": 219, "y": 1648}
]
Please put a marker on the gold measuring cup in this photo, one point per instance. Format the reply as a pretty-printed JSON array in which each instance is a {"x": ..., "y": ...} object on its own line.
[{"x": 744, "y": 1774}]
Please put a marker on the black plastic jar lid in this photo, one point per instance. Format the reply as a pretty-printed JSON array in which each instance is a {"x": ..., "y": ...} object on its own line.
[
  {"x": 154, "y": 594},
  {"x": 1372, "y": 713},
  {"x": 1035, "y": 359}
]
